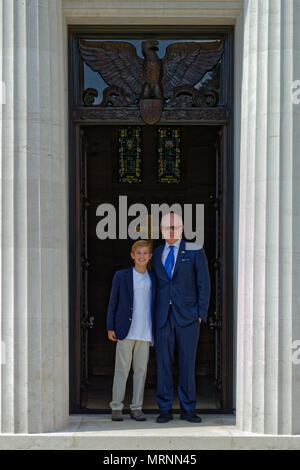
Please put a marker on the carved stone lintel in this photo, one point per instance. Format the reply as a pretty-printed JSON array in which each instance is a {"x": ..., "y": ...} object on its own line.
[
  {"x": 129, "y": 114},
  {"x": 196, "y": 114},
  {"x": 106, "y": 114}
]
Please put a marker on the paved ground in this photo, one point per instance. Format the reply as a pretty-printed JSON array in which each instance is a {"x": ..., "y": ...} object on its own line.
[{"x": 97, "y": 431}]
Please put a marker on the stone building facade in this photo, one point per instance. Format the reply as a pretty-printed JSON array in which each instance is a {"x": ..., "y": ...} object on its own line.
[{"x": 34, "y": 203}]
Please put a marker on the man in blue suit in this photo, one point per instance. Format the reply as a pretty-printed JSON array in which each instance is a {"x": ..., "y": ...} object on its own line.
[{"x": 182, "y": 300}]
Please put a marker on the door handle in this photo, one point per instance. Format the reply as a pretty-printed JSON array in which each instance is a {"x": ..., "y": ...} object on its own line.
[
  {"x": 88, "y": 322},
  {"x": 214, "y": 323}
]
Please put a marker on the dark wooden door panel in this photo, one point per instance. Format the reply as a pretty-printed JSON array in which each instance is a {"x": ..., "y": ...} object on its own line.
[{"x": 106, "y": 256}]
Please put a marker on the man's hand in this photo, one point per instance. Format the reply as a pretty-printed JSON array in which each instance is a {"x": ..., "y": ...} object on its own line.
[
  {"x": 112, "y": 335},
  {"x": 200, "y": 319}
]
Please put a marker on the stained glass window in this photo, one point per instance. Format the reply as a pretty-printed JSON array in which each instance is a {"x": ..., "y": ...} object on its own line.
[
  {"x": 169, "y": 154},
  {"x": 130, "y": 154}
]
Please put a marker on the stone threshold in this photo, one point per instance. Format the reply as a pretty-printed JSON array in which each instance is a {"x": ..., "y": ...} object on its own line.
[{"x": 98, "y": 432}]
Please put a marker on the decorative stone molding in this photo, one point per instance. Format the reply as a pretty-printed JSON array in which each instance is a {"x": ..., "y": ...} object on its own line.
[
  {"x": 98, "y": 114},
  {"x": 162, "y": 12}
]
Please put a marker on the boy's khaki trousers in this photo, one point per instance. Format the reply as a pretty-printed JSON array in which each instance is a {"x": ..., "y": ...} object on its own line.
[{"x": 136, "y": 352}]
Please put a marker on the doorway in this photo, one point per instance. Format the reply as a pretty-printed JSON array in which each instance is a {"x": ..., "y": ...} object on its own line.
[
  {"x": 204, "y": 175},
  {"x": 100, "y": 183}
]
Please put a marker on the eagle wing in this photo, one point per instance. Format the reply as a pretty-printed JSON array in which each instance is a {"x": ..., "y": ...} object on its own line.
[
  {"x": 116, "y": 62},
  {"x": 185, "y": 63}
]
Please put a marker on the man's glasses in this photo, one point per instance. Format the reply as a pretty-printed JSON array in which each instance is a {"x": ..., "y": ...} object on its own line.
[{"x": 171, "y": 227}]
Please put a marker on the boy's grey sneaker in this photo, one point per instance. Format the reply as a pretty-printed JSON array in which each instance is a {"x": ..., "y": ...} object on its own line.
[
  {"x": 138, "y": 415},
  {"x": 117, "y": 415}
]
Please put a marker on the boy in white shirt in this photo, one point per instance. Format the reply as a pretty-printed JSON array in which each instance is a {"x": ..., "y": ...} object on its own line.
[{"x": 129, "y": 323}]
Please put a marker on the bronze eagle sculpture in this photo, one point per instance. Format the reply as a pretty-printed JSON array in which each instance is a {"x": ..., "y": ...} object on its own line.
[{"x": 134, "y": 79}]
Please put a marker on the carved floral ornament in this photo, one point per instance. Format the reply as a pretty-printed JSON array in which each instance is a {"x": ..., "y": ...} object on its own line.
[{"x": 152, "y": 84}]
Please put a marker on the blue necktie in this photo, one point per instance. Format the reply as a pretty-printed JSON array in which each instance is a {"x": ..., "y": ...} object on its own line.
[{"x": 169, "y": 263}]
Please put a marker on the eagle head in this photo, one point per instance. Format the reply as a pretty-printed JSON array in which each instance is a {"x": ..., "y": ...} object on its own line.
[{"x": 148, "y": 46}]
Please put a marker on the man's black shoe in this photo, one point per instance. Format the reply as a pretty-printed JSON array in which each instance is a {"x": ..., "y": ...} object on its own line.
[
  {"x": 164, "y": 417},
  {"x": 191, "y": 417}
]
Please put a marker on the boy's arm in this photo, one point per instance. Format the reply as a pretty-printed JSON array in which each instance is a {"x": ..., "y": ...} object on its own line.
[
  {"x": 113, "y": 302},
  {"x": 203, "y": 283}
]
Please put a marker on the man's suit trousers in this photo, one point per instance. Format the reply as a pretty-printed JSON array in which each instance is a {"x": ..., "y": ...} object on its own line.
[{"x": 186, "y": 339}]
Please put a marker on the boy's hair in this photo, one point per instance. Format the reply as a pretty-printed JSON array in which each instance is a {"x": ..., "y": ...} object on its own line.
[{"x": 141, "y": 243}]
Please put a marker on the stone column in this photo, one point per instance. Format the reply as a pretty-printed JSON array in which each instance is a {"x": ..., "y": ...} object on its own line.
[
  {"x": 268, "y": 382},
  {"x": 34, "y": 217}
]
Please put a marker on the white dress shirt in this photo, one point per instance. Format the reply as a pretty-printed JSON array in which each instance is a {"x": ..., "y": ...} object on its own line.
[{"x": 141, "y": 324}]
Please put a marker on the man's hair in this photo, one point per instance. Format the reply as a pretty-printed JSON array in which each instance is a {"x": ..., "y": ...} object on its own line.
[{"x": 141, "y": 243}]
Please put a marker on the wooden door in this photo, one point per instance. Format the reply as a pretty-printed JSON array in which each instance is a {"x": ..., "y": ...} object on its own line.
[{"x": 100, "y": 184}]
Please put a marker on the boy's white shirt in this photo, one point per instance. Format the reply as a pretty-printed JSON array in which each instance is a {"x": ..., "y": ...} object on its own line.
[{"x": 141, "y": 325}]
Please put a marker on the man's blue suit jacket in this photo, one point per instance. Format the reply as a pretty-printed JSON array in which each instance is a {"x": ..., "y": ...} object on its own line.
[
  {"x": 120, "y": 307},
  {"x": 189, "y": 288}
]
